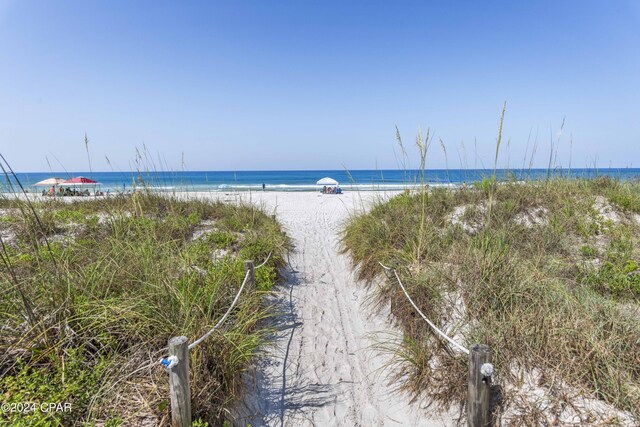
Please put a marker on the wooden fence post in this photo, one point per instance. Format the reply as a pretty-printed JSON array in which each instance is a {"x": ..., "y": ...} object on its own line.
[
  {"x": 248, "y": 266},
  {"x": 479, "y": 385},
  {"x": 179, "y": 383}
]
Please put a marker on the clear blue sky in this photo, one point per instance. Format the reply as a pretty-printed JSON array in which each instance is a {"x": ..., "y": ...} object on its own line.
[{"x": 300, "y": 85}]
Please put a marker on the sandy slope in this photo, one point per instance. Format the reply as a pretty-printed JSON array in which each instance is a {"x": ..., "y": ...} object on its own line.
[{"x": 323, "y": 370}]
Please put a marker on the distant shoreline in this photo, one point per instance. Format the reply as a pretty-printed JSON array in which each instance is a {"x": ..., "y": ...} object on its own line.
[{"x": 302, "y": 181}]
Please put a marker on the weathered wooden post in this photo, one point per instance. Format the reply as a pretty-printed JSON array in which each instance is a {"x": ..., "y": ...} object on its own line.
[
  {"x": 248, "y": 266},
  {"x": 480, "y": 371},
  {"x": 179, "y": 382}
]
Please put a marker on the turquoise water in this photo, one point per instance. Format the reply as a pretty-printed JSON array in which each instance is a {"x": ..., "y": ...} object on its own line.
[{"x": 364, "y": 180}]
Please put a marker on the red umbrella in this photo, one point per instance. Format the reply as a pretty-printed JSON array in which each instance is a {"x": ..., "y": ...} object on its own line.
[{"x": 81, "y": 180}]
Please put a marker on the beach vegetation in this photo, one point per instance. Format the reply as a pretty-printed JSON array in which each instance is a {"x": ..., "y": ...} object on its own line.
[
  {"x": 547, "y": 273},
  {"x": 92, "y": 291}
]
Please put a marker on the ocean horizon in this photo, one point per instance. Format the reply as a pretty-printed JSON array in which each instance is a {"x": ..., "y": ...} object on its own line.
[{"x": 302, "y": 180}]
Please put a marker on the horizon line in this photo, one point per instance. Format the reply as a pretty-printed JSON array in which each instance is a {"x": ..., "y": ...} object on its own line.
[{"x": 335, "y": 170}]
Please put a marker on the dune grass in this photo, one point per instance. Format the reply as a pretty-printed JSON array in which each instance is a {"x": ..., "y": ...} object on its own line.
[
  {"x": 548, "y": 276},
  {"x": 93, "y": 290}
]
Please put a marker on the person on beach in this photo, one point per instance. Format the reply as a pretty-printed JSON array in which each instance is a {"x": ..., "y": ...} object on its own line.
[{"x": 263, "y": 186}]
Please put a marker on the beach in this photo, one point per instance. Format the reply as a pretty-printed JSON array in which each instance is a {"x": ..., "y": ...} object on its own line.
[
  {"x": 323, "y": 363},
  {"x": 234, "y": 214}
]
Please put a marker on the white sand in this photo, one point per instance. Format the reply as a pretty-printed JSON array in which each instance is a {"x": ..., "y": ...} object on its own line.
[{"x": 323, "y": 370}]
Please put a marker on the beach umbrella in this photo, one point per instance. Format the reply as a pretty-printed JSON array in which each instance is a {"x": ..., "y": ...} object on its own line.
[
  {"x": 327, "y": 181},
  {"x": 49, "y": 182},
  {"x": 80, "y": 180}
]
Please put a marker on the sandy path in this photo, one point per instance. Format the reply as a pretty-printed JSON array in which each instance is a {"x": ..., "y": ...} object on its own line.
[{"x": 322, "y": 370}]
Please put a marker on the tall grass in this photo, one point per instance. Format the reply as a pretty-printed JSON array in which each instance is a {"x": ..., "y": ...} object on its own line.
[
  {"x": 86, "y": 320},
  {"x": 551, "y": 284}
]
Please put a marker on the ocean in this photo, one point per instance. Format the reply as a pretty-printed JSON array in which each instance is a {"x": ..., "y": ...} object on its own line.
[{"x": 360, "y": 180}]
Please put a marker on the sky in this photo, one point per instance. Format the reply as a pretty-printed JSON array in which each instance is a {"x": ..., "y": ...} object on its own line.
[{"x": 259, "y": 85}]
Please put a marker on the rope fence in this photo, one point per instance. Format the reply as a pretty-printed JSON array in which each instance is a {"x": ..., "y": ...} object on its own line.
[
  {"x": 429, "y": 322},
  {"x": 265, "y": 261},
  {"x": 480, "y": 367},
  {"x": 177, "y": 363},
  {"x": 222, "y": 319}
]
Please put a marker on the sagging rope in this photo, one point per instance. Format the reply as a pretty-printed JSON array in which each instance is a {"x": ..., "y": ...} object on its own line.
[
  {"x": 265, "y": 261},
  {"x": 435, "y": 328},
  {"x": 171, "y": 361},
  {"x": 222, "y": 319}
]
